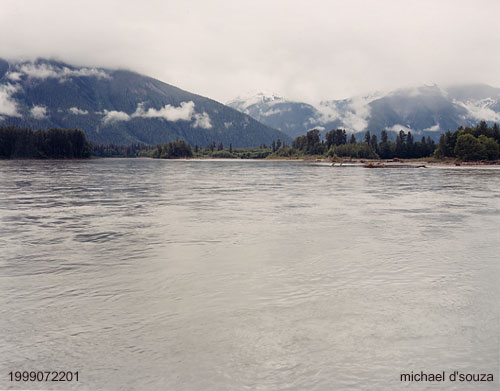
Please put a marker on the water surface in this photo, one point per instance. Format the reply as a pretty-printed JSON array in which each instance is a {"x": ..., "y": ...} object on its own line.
[{"x": 230, "y": 275}]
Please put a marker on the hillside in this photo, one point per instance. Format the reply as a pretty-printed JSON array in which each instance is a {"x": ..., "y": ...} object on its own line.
[
  {"x": 425, "y": 110},
  {"x": 119, "y": 106}
]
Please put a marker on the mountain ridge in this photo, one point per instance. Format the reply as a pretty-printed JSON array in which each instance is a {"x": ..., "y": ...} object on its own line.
[
  {"x": 119, "y": 106},
  {"x": 424, "y": 110}
]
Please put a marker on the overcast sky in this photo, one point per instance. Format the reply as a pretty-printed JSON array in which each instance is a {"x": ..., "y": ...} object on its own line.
[{"x": 303, "y": 50}]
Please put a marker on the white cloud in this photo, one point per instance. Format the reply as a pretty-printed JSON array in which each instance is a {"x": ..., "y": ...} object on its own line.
[
  {"x": 8, "y": 105},
  {"x": 327, "y": 113},
  {"x": 84, "y": 72},
  {"x": 274, "y": 112},
  {"x": 353, "y": 113},
  {"x": 182, "y": 113},
  {"x": 202, "y": 121},
  {"x": 77, "y": 111},
  {"x": 14, "y": 76},
  {"x": 398, "y": 127},
  {"x": 377, "y": 44},
  {"x": 433, "y": 128},
  {"x": 320, "y": 128},
  {"x": 480, "y": 109},
  {"x": 40, "y": 71},
  {"x": 39, "y": 112},
  {"x": 46, "y": 71},
  {"x": 114, "y": 116}
]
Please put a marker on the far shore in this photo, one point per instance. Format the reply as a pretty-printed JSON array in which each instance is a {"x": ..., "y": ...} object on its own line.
[{"x": 373, "y": 163}]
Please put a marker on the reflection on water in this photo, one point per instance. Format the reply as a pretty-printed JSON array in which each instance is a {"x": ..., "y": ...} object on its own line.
[{"x": 206, "y": 275}]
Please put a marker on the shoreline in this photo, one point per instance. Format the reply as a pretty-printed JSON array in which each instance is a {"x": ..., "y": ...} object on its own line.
[
  {"x": 368, "y": 163},
  {"x": 376, "y": 163}
]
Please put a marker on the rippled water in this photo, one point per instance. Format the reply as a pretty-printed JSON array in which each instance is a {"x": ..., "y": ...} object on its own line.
[{"x": 231, "y": 275}]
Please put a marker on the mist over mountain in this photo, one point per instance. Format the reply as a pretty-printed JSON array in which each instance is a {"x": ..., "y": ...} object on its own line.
[
  {"x": 425, "y": 110},
  {"x": 119, "y": 106}
]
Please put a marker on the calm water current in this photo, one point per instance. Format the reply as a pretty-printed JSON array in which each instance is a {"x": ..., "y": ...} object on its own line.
[{"x": 247, "y": 275}]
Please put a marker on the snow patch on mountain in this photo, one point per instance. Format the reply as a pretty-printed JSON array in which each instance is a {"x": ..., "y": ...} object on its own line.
[{"x": 242, "y": 103}]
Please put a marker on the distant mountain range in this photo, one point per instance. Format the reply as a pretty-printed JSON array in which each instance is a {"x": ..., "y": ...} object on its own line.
[
  {"x": 425, "y": 110},
  {"x": 118, "y": 106}
]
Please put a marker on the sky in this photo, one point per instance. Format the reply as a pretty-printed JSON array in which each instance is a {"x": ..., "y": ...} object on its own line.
[{"x": 303, "y": 50}]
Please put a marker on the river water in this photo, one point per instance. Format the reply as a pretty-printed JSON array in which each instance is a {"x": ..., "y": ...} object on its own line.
[{"x": 247, "y": 275}]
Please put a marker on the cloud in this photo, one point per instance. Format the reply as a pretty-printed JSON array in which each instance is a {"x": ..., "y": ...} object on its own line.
[
  {"x": 39, "y": 112},
  {"x": 8, "y": 105},
  {"x": 114, "y": 116},
  {"x": 320, "y": 128},
  {"x": 85, "y": 72},
  {"x": 77, "y": 111},
  {"x": 46, "y": 71},
  {"x": 433, "y": 128},
  {"x": 325, "y": 49},
  {"x": 275, "y": 111},
  {"x": 353, "y": 113},
  {"x": 398, "y": 127},
  {"x": 202, "y": 121},
  {"x": 14, "y": 76},
  {"x": 480, "y": 109},
  {"x": 327, "y": 113},
  {"x": 182, "y": 113}
]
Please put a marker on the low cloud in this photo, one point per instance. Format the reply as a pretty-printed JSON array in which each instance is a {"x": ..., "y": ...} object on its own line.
[
  {"x": 480, "y": 109},
  {"x": 182, "y": 113},
  {"x": 77, "y": 111},
  {"x": 434, "y": 128},
  {"x": 202, "y": 121},
  {"x": 114, "y": 116},
  {"x": 14, "y": 76},
  {"x": 399, "y": 127},
  {"x": 8, "y": 105},
  {"x": 320, "y": 128},
  {"x": 46, "y": 71},
  {"x": 41, "y": 71},
  {"x": 275, "y": 111},
  {"x": 39, "y": 112}
]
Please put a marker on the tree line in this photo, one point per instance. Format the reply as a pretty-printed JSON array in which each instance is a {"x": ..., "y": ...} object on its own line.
[
  {"x": 43, "y": 144},
  {"x": 470, "y": 143},
  {"x": 476, "y": 143},
  {"x": 114, "y": 150},
  {"x": 337, "y": 144}
]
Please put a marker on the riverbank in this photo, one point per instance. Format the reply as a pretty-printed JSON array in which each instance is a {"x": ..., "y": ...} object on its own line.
[{"x": 372, "y": 163}]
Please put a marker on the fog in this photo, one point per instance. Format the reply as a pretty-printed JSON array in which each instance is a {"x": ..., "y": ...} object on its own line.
[{"x": 307, "y": 51}]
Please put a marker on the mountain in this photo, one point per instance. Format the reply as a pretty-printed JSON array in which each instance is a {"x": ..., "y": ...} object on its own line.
[
  {"x": 424, "y": 110},
  {"x": 292, "y": 118},
  {"x": 119, "y": 106}
]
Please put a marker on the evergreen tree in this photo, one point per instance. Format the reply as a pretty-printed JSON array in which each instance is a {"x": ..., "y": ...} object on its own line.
[{"x": 367, "y": 137}]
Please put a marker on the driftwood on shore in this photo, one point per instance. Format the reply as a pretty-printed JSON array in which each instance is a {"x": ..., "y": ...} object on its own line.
[{"x": 393, "y": 165}]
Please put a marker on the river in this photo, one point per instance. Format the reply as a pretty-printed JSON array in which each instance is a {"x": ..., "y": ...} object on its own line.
[{"x": 148, "y": 274}]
